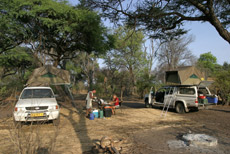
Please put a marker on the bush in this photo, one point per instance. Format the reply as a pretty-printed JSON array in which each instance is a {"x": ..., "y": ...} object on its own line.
[
  {"x": 3, "y": 91},
  {"x": 223, "y": 84},
  {"x": 9, "y": 86}
]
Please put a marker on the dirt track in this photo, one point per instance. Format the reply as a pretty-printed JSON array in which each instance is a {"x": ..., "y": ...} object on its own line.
[{"x": 143, "y": 130}]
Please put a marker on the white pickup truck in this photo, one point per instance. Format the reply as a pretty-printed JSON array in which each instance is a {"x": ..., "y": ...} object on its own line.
[
  {"x": 182, "y": 98},
  {"x": 36, "y": 104}
]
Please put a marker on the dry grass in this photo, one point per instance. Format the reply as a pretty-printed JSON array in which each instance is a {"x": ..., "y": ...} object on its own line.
[{"x": 77, "y": 134}]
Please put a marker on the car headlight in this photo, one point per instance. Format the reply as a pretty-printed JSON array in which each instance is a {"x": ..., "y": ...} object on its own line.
[
  {"x": 18, "y": 109},
  {"x": 56, "y": 107}
]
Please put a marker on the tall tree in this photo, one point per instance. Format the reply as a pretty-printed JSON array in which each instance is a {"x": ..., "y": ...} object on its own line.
[
  {"x": 83, "y": 67},
  {"x": 57, "y": 29},
  {"x": 128, "y": 51},
  {"x": 159, "y": 16},
  {"x": 175, "y": 53},
  {"x": 207, "y": 62},
  {"x": 226, "y": 66}
]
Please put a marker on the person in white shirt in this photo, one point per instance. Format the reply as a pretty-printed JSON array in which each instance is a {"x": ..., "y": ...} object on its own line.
[{"x": 89, "y": 99}]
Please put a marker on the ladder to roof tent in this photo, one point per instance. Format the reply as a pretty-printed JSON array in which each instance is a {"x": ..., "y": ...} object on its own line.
[{"x": 164, "y": 112}]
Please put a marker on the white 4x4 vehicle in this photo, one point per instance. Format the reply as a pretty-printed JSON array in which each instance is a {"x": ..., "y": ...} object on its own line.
[
  {"x": 36, "y": 104},
  {"x": 182, "y": 98}
]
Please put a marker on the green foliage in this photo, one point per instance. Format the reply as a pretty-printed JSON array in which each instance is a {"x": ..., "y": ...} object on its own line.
[
  {"x": 128, "y": 65},
  {"x": 83, "y": 68},
  {"x": 207, "y": 59},
  {"x": 163, "y": 16},
  {"x": 17, "y": 60},
  {"x": 128, "y": 47},
  {"x": 222, "y": 83},
  {"x": 226, "y": 66},
  {"x": 3, "y": 91},
  {"x": 208, "y": 63},
  {"x": 128, "y": 52},
  {"x": 12, "y": 32},
  {"x": 9, "y": 86},
  {"x": 144, "y": 82},
  {"x": 55, "y": 28}
]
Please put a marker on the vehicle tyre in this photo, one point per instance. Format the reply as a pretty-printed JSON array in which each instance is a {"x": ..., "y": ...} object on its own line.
[
  {"x": 147, "y": 105},
  {"x": 56, "y": 121},
  {"x": 180, "y": 108}
]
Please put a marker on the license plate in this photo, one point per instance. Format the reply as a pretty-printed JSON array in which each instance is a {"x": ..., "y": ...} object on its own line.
[{"x": 37, "y": 114}]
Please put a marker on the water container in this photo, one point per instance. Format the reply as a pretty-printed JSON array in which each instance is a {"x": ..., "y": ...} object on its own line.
[
  {"x": 95, "y": 112},
  {"x": 91, "y": 116},
  {"x": 101, "y": 114}
]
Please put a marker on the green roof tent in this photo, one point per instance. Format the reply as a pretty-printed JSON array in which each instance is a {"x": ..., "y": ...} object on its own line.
[
  {"x": 49, "y": 75},
  {"x": 187, "y": 75}
]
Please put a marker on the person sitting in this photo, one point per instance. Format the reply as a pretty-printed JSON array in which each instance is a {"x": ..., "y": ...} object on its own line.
[{"x": 114, "y": 103}]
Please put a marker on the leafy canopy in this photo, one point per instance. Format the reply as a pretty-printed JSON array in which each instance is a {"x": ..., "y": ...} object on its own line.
[
  {"x": 54, "y": 28},
  {"x": 160, "y": 16},
  {"x": 207, "y": 61}
]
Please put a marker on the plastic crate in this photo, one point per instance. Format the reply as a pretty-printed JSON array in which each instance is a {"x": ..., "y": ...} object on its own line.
[
  {"x": 107, "y": 111},
  {"x": 212, "y": 100}
]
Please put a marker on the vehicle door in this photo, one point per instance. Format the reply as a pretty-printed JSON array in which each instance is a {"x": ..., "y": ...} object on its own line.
[
  {"x": 187, "y": 95},
  {"x": 159, "y": 96},
  {"x": 151, "y": 96},
  {"x": 204, "y": 91}
]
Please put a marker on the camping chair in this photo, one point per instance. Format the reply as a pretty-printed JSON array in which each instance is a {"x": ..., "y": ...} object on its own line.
[{"x": 120, "y": 103}]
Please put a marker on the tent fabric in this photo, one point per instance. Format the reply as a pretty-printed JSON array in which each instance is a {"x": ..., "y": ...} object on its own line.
[
  {"x": 187, "y": 75},
  {"x": 49, "y": 75}
]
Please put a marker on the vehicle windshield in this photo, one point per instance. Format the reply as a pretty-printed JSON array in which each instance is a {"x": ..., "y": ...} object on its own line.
[{"x": 37, "y": 93}]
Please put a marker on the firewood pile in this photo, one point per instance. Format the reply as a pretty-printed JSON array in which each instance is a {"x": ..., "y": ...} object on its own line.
[{"x": 108, "y": 145}]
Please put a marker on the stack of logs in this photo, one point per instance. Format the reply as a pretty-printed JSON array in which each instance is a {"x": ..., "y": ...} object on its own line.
[{"x": 108, "y": 146}]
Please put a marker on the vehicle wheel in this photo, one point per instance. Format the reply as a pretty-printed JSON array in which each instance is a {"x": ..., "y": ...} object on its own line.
[
  {"x": 180, "y": 108},
  {"x": 56, "y": 121},
  {"x": 147, "y": 105},
  {"x": 17, "y": 124}
]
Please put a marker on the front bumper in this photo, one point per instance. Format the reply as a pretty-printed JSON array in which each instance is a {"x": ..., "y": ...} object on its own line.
[{"x": 41, "y": 115}]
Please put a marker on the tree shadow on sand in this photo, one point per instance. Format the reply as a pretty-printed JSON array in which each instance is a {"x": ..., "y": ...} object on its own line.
[{"x": 78, "y": 126}]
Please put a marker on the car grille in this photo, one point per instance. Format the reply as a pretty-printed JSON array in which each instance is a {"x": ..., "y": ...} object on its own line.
[{"x": 37, "y": 108}]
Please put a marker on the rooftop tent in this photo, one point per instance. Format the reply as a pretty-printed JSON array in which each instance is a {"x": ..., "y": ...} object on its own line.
[
  {"x": 187, "y": 75},
  {"x": 49, "y": 75}
]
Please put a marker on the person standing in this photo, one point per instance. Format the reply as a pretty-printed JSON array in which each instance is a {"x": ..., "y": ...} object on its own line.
[{"x": 89, "y": 100}]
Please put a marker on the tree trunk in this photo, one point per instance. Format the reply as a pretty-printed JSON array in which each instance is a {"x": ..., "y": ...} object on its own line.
[
  {"x": 133, "y": 82},
  {"x": 91, "y": 79},
  {"x": 219, "y": 27},
  {"x": 211, "y": 18}
]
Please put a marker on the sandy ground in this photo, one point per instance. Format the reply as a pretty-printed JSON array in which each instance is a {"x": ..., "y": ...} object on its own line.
[{"x": 143, "y": 130}]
